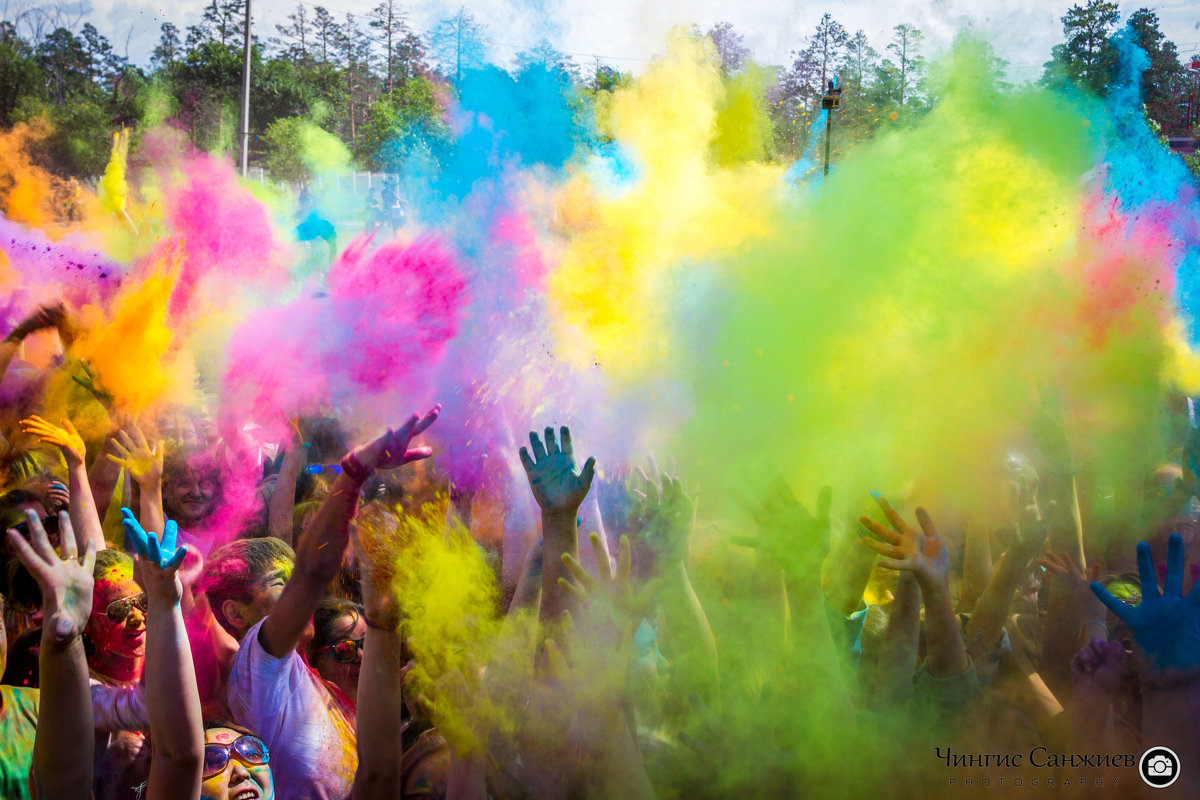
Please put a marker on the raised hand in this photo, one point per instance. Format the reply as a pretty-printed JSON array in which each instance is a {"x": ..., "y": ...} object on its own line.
[
  {"x": 134, "y": 454},
  {"x": 66, "y": 438},
  {"x": 94, "y": 387},
  {"x": 1063, "y": 568},
  {"x": 66, "y": 582},
  {"x": 48, "y": 316},
  {"x": 392, "y": 449},
  {"x": 903, "y": 547},
  {"x": 1049, "y": 432},
  {"x": 1096, "y": 668},
  {"x": 60, "y": 496},
  {"x": 789, "y": 534},
  {"x": 160, "y": 560},
  {"x": 1165, "y": 625},
  {"x": 661, "y": 521},
  {"x": 551, "y": 472}
]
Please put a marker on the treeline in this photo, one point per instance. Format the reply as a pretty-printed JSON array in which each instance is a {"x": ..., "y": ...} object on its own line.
[{"x": 381, "y": 87}]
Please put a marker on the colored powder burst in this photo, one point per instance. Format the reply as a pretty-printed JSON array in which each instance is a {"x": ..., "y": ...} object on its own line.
[
  {"x": 29, "y": 200},
  {"x": 70, "y": 269},
  {"x": 113, "y": 189},
  {"x": 386, "y": 319},
  {"x": 892, "y": 328},
  {"x": 624, "y": 255},
  {"x": 447, "y": 590},
  {"x": 132, "y": 350},
  {"x": 230, "y": 242}
]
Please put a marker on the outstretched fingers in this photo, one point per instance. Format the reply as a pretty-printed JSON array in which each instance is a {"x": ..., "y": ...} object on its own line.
[
  {"x": 1173, "y": 585},
  {"x": 1120, "y": 608},
  {"x": 1149, "y": 579}
]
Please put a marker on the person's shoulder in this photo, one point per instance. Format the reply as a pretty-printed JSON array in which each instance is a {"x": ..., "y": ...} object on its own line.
[{"x": 19, "y": 701}]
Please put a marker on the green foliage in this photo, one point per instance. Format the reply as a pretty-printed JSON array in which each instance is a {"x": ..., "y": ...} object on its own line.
[
  {"x": 20, "y": 76},
  {"x": 79, "y": 143},
  {"x": 402, "y": 125},
  {"x": 1088, "y": 57},
  {"x": 284, "y": 150}
]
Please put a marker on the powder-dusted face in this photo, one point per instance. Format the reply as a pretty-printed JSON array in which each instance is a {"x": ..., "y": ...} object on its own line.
[
  {"x": 126, "y": 637},
  {"x": 189, "y": 496},
  {"x": 237, "y": 781},
  {"x": 430, "y": 778},
  {"x": 343, "y": 675}
]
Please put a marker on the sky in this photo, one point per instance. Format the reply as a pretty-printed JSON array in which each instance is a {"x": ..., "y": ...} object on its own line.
[{"x": 627, "y": 33}]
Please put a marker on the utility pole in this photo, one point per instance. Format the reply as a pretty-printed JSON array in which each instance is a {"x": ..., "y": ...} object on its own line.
[
  {"x": 246, "y": 95},
  {"x": 829, "y": 101}
]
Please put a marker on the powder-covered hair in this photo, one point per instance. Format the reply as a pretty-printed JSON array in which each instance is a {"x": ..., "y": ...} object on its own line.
[
  {"x": 326, "y": 629},
  {"x": 233, "y": 570}
]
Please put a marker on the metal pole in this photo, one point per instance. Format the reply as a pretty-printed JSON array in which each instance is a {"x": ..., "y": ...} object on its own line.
[
  {"x": 246, "y": 95},
  {"x": 828, "y": 134}
]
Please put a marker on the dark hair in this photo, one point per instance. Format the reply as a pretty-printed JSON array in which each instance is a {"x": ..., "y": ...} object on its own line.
[
  {"x": 325, "y": 627},
  {"x": 11, "y": 502},
  {"x": 233, "y": 570}
]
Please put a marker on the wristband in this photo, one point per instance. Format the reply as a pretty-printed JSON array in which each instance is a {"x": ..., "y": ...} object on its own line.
[
  {"x": 373, "y": 624},
  {"x": 355, "y": 468}
]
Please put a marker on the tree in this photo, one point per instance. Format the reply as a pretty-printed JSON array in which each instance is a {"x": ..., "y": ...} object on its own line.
[
  {"x": 391, "y": 29},
  {"x": 403, "y": 126},
  {"x": 168, "y": 47},
  {"x": 827, "y": 45},
  {"x": 20, "y": 76},
  {"x": 457, "y": 44},
  {"x": 1161, "y": 79},
  {"x": 856, "y": 68},
  {"x": 544, "y": 55},
  {"x": 297, "y": 35},
  {"x": 905, "y": 48},
  {"x": 225, "y": 21},
  {"x": 731, "y": 46},
  {"x": 1088, "y": 57},
  {"x": 65, "y": 65},
  {"x": 325, "y": 33}
]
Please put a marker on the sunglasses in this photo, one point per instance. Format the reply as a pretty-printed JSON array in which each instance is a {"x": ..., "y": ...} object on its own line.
[
  {"x": 49, "y": 524},
  {"x": 345, "y": 651},
  {"x": 317, "y": 469},
  {"x": 119, "y": 610},
  {"x": 250, "y": 750}
]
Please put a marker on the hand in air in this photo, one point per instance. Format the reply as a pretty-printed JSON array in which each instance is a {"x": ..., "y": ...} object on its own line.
[
  {"x": 1165, "y": 625},
  {"x": 66, "y": 582},
  {"x": 556, "y": 486},
  {"x": 920, "y": 551},
  {"x": 66, "y": 438}
]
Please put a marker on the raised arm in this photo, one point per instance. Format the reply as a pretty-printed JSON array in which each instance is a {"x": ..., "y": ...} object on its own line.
[
  {"x": 282, "y": 504},
  {"x": 321, "y": 548},
  {"x": 84, "y": 517},
  {"x": 986, "y": 624},
  {"x": 144, "y": 463},
  {"x": 1050, "y": 433},
  {"x": 172, "y": 696},
  {"x": 62, "y": 748},
  {"x": 559, "y": 492},
  {"x": 380, "y": 701},
  {"x": 922, "y": 552},
  {"x": 1166, "y": 632},
  {"x": 49, "y": 316}
]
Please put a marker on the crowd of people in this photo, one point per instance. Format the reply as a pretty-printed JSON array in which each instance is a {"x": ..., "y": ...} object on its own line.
[{"x": 144, "y": 657}]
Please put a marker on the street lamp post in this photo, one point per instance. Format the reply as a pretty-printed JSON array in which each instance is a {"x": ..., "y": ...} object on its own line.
[{"x": 246, "y": 95}]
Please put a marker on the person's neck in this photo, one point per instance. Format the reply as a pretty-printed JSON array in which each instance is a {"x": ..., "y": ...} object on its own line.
[{"x": 117, "y": 668}]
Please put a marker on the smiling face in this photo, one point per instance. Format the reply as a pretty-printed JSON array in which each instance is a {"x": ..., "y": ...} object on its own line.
[
  {"x": 189, "y": 496},
  {"x": 125, "y": 637},
  {"x": 237, "y": 781},
  {"x": 343, "y": 675}
]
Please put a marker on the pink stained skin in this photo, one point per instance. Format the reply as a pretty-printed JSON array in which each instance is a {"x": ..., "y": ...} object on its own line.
[{"x": 120, "y": 647}]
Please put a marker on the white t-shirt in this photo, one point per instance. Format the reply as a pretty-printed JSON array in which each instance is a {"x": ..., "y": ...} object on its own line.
[{"x": 288, "y": 706}]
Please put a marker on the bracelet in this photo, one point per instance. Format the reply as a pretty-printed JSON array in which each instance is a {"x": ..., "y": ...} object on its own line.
[
  {"x": 355, "y": 468},
  {"x": 373, "y": 624}
]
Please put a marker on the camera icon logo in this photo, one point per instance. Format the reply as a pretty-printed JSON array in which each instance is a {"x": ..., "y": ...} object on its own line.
[{"x": 1159, "y": 767}]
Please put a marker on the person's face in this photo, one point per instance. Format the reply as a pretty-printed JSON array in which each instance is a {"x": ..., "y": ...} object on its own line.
[
  {"x": 429, "y": 780},
  {"x": 123, "y": 633},
  {"x": 188, "y": 496},
  {"x": 342, "y": 674},
  {"x": 237, "y": 781},
  {"x": 263, "y": 596}
]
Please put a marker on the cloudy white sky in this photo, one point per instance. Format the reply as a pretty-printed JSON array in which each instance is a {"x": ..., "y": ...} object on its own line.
[{"x": 626, "y": 33}]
